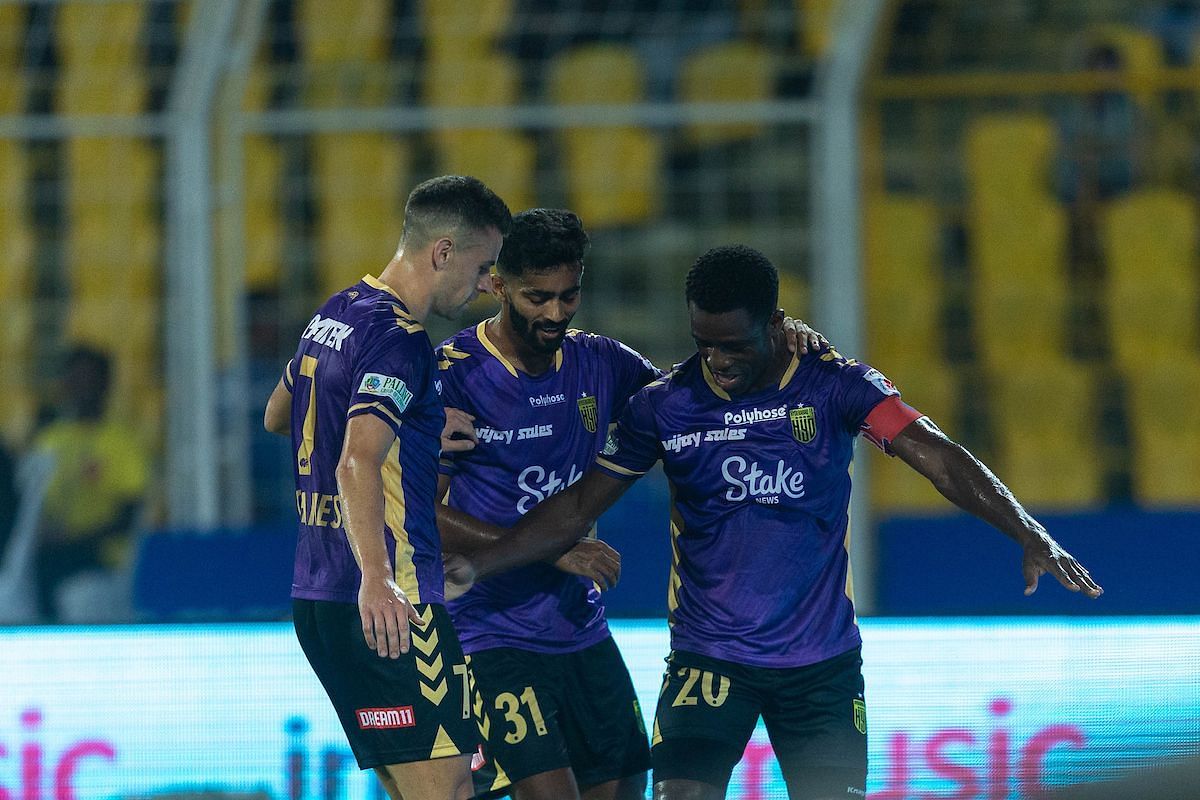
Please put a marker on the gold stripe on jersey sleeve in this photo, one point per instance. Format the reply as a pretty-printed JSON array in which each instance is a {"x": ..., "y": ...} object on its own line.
[
  {"x": 448, "y": 354},
  {"x": 380, "y": 406},
  {"x": 289, "y": 380},
  {"x": 481, "y": 332},
  {"x": 790, "y": 371},
  {"x": 604, "y": 462},
  {"x": 393, "y": 515}
]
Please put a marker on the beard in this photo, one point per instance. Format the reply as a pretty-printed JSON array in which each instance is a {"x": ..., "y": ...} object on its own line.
[{"x": 529, "y": 332}]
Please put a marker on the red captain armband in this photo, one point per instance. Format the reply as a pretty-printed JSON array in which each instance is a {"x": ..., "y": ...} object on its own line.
[{"x": 886, "y": 420}]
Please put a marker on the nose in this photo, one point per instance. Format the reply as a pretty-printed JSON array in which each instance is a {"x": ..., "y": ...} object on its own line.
[
  {"x": 483, "y": 285},
  {"x": 717, "y": 359}
]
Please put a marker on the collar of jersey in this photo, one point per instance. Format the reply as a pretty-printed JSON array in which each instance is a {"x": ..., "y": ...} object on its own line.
[
  {"x": 724, "y": 395},
  {"x": 375, "y": 283},
  {"x": 490, "y": 346}
]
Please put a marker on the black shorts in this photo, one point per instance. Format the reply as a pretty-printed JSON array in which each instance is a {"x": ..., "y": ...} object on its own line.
[
  {"x": 549, "y": 711},
  {"x": 815, "y": 717},
  {"x": 413, "y": 708}
]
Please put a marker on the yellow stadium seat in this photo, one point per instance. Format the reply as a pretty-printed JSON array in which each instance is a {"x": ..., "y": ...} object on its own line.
[
  {"x": 358, "y": 179},
  {"x": 487, "y": 80},
  {"x": 1153, "y": 287},
  {"x": 90, "y": 34},
  {"x": 12, "y": 91},
  {"x": 348, "y": 84},
  {"x": 732, "y": 72},
  {"x": 930, "y": 387},
  {"x": 903, "y": 279},
  {"x": 1139, "y": 51},
  {"x": 1042, "y": 412},
  {"x": 263, "y": 175},
  {"x": 503, "y": 159},
  {"x": 1019, "y": 283},
  {"x": 12, "y": 37},
  {"x": 102, "y": 90},
  {"x": 107, "y": 253},
  {"x": 356, "y": 30},
  {"x": 454, "y": 27},
  {"x": 1166, "y": 431},
  {"x": 111, "y": 172},
  {"x": 506, "y": 155},
  {"x": 1008, "y": 154},
  {"x": 814, "y": 25},
  {"x": 612, "y": 174}
]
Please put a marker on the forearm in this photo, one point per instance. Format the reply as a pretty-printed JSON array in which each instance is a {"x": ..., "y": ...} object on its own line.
[
  {"x": 968, "y": 483},
  {"x": 544, "y": 534},
  {"x": 361, "y": 487},
  {"x": 464, "y": 534}
]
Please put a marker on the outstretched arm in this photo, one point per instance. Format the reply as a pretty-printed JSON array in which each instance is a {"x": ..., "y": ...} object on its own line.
[
  {"x": 553, "y": 527},
  {"x": 965, "y": 481}
]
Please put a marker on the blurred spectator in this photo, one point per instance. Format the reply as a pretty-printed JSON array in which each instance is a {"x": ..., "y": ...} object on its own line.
[{"x": 92, "y": 504}]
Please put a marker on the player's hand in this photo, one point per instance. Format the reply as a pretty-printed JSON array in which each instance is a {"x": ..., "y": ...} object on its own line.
[
  {"x": 459, "y": 434},
  {"x": 460, "y": 575},
  {"x": 592, "y": 559},
  {"x": 1045, "y": 556},
  {"x": 386, "y": 614},
  {"x": 801, "y": 337}
]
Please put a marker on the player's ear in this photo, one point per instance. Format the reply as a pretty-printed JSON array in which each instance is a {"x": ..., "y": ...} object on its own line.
[
  {"x": 498, "y": 285},
  {"x": 442, "y": 249},
  {"x": 776, "y": 321}
]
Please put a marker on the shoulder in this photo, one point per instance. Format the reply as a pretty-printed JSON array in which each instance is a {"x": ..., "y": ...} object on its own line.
[
  {"x": 460, "y": 354},
  {"x": 605, "y": 347}
]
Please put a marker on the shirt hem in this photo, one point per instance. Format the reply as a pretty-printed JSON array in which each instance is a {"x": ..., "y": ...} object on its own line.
[
  {"x": 327, "y": 596},
  {"x": 471, "y": 646},
  {"x": 809, "y": 658}
]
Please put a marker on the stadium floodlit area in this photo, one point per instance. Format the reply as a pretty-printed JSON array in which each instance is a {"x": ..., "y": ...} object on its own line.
[{"x": 994, "y": 203}]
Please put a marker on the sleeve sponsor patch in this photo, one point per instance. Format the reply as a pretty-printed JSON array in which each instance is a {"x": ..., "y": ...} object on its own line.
[
  {"x": 876, "y": 378},
  {"x": 386, "y": 386}
]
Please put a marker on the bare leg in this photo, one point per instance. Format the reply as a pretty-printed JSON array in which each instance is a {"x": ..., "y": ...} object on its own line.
[
  {"x": 557, "y": 784},
  {"x": 437, "y": 779}
]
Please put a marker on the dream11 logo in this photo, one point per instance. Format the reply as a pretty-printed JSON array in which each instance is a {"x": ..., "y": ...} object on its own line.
[
  {"x": 35, "y": 769},
  {"x": 908, "y": 758}
]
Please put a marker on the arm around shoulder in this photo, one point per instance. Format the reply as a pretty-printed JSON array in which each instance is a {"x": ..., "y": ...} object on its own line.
[{"x": 278, "y": 415}]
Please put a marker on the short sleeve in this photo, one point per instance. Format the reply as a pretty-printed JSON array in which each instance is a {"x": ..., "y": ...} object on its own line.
[
  {"x": 860, "y": 388},
  {"x": 289, "y": 375},
  {"x": 632, "y": 371},
  {"x": 391, "y": 367},
  {"x": 632, "y": 448}
]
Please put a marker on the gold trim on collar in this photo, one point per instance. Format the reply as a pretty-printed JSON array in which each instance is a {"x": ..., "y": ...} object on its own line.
[
  {"x": 712, "y": 384},
  {"x": 480, "y": 331},
  {"x": 371, "y": 280}
]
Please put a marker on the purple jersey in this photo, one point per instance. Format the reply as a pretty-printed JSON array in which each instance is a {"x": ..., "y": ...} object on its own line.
[
  {"x": 363, "y": 354},
  {"x": 759, "y": 523},
  {"x": 537, "y": 435}
]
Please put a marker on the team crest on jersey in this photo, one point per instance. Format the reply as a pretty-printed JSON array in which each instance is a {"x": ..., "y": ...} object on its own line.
[
  {"x": 804, "y": 423},
  {"x": 587, "y": 411},
  {"x": 860, "y": 716}
]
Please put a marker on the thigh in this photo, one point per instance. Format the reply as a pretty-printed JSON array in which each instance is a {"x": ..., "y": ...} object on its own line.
[
  {"x": 520, "y": 708},
  {"x": 601, "y": 719},
  {"x": 394, "y": 711},
  {"x": 707, "y": 710},
  {"x": 816, "y": 719}
]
